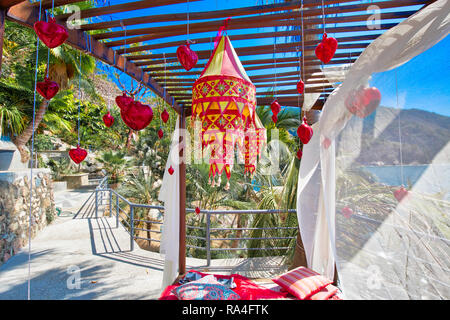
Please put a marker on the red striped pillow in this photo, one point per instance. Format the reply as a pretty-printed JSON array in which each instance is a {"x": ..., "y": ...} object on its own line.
[{"x": 302, "y": 282}]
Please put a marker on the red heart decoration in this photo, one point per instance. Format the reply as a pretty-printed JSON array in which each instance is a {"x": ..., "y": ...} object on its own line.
[
  {"x": 197, "y": 210},
  {"x": 299, "y": 154},
  {"x": 124, "y": 101},
  {"x": 275, "y": 107},
  {"x": 363, "y": 102},
  {"x": 347, "y": 212},
  {"x": 47, "y": 89},
  {"x": 137, "y": 115},
  {"x": 187, "y": 57},
  {"x": 401, "y": 193},
  {"x": 160, "y": 133},
  {"x": 78, "y": 154},
  {"x": 170, "y": 170},
  {"x": 326, "y": 48},
  {"x": 300, "y": 87},
  {"x": 165, "y": 116},
  {"x": 108, "y": 119},
  {"x": 304, "y": 132},
  {"x": 274, "y": 118},
  {"x": 51, "y": 34},
  {"x": 326, "y": 143}
]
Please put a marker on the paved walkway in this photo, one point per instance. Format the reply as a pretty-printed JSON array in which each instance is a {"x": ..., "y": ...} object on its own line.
[{"x": 78, "y": 243}]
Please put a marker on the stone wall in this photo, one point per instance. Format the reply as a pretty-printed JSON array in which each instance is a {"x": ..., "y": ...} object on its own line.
[{"x": 15, "y": 209}]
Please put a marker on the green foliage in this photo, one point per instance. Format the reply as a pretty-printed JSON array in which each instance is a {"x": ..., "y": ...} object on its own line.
[
  {"x": 114, "y": 163},
  {"x": 60, "y": 167},
  {"x": 43, "y": 142}
]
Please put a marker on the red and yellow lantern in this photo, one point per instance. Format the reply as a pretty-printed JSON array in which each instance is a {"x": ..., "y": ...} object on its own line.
[{"x": 224, "y": 100}]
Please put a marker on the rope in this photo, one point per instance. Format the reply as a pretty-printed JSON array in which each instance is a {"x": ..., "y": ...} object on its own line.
[
  {"x": 275, "y": 64},
  {"x": 32, "y": 155},
  {"x": 187, "y": 21},
  {"x": 79, "y": 98}
]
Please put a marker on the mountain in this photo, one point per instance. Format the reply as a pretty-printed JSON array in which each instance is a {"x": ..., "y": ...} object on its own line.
[{"x": 423, "y": 135}]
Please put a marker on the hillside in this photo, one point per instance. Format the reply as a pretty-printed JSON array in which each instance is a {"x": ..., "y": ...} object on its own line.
[{"x": 423, "y": 135}]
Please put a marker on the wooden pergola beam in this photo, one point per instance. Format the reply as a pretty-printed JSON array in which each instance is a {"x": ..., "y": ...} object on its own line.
[
  {"x": 27, "y": 14},
  {"x": 123, "y": 7},
  {"x": 260, "y": 35},
  {"x": 291, "y": 5},
  {"x": 270, "y": 20}
]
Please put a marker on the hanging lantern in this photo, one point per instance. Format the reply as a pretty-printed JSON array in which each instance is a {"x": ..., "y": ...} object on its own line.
[
  {"x": 78, "y": 154},
  {"x": 224, "y": 100},
  {"x": 50, "y": 33},
  {"x": 108, "y": 119},
  {"x": 326, "y": 48},
  {"x": 47, "y": 89},
  {"x": 304, "y": 132}
]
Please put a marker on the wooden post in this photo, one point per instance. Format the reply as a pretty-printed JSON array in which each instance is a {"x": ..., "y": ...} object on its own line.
[
  {"x": 182, "y": 168},
  {"x": 2, "y": 32}
]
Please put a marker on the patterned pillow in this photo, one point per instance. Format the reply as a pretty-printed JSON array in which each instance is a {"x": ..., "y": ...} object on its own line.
[
  {"x": 302, "y": 282},
  {"x": 207, "y": 288}
]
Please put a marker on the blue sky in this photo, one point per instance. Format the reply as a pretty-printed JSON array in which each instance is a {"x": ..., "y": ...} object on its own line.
[{"x": 423, "y": 82}]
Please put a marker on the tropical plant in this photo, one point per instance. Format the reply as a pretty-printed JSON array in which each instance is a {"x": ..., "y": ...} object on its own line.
[{"x": 114, "y": 163}]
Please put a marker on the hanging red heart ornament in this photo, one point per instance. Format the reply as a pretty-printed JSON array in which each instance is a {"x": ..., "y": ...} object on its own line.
[
  {"x": 326, "y": 143},
  {"x": 78, "y": 154},
  {"x": 124, "y": 101},
  {"x": 347, "y": 212},
  {"x": 274, "y": 118},
  {"x": 187, "y": 57},
  {"x": 170, "y": 170},
  {"x": 300, "y": 87},
  {"x": 401, "y": 193},
  {"x": 108, "y": 119},
  {"x": 47, "y": 89},
  {"x": 304, "y": 132},
  {"x": 137, "y": 116},
  {"x": 326, "y": 48},
  {"x": 165, "y": 116},
  {"x": 299, "y": 154},
  {"x": 275, "y": 107},
  {"x": 197, "y": 210},
  {"x": 160, "y": 133},
  {"x": 50, "y": 33},
  {"x": 363, "y": 101}
]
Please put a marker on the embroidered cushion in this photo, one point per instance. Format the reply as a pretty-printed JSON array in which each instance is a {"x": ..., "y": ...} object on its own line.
[
  {"x": 302, "y": 282},
  {"x": 207, "y": 288}
]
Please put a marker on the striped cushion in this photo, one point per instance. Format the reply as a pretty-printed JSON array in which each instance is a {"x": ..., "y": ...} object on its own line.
[{"x": 302, "y": 282}]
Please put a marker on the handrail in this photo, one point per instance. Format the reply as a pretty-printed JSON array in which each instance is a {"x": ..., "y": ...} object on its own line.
[{"x": 128, "y": 222}]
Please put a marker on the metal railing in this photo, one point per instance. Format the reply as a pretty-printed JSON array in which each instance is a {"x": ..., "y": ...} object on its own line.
[{"x": 132, "y": 222}]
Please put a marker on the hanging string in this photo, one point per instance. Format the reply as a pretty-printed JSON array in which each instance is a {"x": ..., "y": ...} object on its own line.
[
  {"x": 79, "y": 98},
  {"x": 399, "y": 129},
  {"x": 187, "y": 31},
  {"x": 324, "y": 31},
  {"x": 31, "y": 156},
  {"x": 323, "y": 16},
  {"x": 275, "y": 64},
  {"x": 302, "y": 67}
]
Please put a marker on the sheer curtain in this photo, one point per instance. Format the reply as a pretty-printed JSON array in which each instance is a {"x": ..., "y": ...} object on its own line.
[
  {"x": 383, "y": 248},
  {"x": 170, "y": 195}
]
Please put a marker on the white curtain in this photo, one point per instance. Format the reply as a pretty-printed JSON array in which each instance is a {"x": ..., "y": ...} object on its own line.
[
  {"x": 170, "y": 195},
  {"x": 326, "y": 238}
]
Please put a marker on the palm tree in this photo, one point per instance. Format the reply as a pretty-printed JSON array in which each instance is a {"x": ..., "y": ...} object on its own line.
[{"x": 114, "y": 163}]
